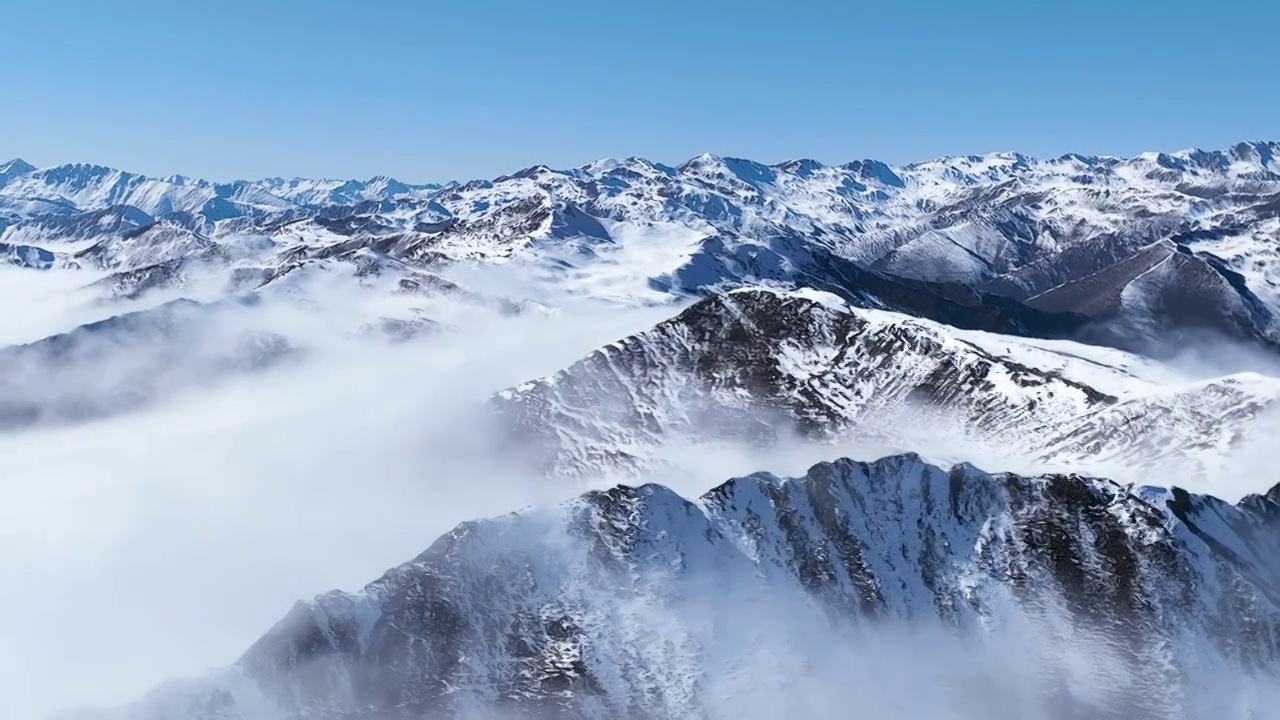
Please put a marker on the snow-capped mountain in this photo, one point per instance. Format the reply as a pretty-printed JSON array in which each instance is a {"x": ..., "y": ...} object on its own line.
[
  {"x": 1072, "y": 597},
  {"x": 80, "y": 186},
  {"x": 757, "y": 365},
  {"x": 14, "y": 168},
  {"x": 1031, "y": 308},
  {"x": 1122, "y": 250}
]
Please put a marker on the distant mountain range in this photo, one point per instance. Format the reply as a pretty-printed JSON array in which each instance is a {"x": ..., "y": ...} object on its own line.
[{"x": 1131, "y": 252}]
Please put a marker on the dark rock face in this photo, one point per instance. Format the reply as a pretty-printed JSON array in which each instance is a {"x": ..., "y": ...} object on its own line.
[
  {"x": 1160, "y": 297},
  {"x": 636, "y": 603},
  {"x": 725, "y": 367}
]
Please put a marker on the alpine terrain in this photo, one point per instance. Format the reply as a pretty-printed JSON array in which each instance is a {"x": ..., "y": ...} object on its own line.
[
  {"x": 1101, "y": 335},
  {"x": 637, "y": 603}
]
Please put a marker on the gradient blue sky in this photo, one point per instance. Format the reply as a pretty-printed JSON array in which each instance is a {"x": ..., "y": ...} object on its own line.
[{"x": 425, "y": 90}]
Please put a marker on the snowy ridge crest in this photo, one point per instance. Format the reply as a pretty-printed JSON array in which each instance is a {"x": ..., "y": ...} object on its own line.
[
  {"x": 604, "y": 607},
  {"x": 763, "y": 366}
]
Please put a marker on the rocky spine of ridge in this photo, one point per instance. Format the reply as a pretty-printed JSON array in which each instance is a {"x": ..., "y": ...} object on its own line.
[
  {"x": 636, "y": 603},
  {"x": 754, "y": 364}
]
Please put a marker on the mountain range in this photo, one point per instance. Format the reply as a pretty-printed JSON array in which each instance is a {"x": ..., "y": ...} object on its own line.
[
  {"x": 1118, "y": 250},
  {"x": 1070, "y": 319}
]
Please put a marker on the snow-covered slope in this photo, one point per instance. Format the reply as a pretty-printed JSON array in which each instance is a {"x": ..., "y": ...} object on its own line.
[
  {"x": 758, "y": 365},
  {"x": 1190, "y": 429},
  {"x": 996, "y": 307},
  {"x": 1132, "y": 250},
  {"x": 1054, "y": 596}
]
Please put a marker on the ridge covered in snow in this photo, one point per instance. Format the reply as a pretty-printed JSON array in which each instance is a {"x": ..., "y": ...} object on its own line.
[
  {"x": 760, "y": 366},
  {"x": 1068, "y": 595}
]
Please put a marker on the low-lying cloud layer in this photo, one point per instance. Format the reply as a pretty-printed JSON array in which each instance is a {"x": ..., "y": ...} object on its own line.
[{"x": 164, "y": 539}]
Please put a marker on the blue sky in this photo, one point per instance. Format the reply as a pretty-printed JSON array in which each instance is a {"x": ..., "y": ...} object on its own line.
[{"x": 425, "y": 90}]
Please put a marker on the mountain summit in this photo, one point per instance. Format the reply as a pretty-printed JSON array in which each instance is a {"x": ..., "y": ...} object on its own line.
[{"x": 13, "y": 168}]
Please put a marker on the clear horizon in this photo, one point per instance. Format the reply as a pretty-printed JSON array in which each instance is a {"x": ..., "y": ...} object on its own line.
[{"x": 328, "y": 90}]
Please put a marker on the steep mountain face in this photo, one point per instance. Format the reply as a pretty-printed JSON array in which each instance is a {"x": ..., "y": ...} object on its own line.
[
  {"x": 756, "y": 365},
  {"x": 791, "y": 262},
  {"x": 1191, "y": 428},
  {"x": 1063, "y": 596},
  {"x": 1126, "y": 251}
]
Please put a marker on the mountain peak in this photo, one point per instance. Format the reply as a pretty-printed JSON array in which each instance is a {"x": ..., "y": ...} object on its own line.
[
  {"x": 385, "y": 185},
  {"x": 631, "y": 163},
  {"x": 803, "y": 167},
  {"x": 706, "y": 159},
  {"x": 16, "y": 166},
  {"x": 1260, "y": 153}
]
